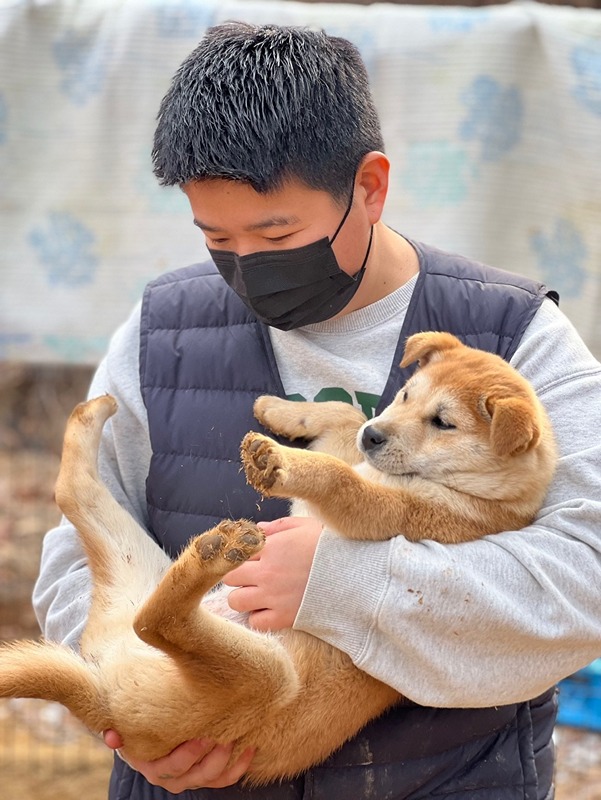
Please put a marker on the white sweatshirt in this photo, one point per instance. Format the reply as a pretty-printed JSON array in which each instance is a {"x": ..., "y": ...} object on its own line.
[{"x": 478, "y": 624}]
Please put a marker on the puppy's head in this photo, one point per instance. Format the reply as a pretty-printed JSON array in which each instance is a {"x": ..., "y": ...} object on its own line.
[{"x": 465, "y": 419}]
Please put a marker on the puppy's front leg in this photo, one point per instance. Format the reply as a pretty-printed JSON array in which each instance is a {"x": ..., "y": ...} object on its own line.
[
  {"x": 339, "y": 496},
  {"x": 345, "y": 501},
  {"x": 331, "y": 427}
]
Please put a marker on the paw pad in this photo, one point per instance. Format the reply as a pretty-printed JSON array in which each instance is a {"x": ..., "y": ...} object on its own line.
[
  {"x": 235, "y": 555},
  {"x": 208, "y": 546},
  {"x": 261, "y": 460},
  {"x": 251, "y": 539}
]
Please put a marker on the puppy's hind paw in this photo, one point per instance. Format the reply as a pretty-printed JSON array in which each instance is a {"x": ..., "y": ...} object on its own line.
[
  {"x": 233, "y": 540},
  {"x": 263, "y": 462}
]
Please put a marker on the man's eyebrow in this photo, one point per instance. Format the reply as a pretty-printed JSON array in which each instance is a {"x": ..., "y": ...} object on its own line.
[{"x": 270, "y": 222}]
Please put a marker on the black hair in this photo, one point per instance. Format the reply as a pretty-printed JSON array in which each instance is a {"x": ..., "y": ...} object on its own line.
[{"x": 264, "y": 104}]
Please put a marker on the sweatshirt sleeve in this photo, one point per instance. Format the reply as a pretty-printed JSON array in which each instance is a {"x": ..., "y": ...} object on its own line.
[
  {"x": 497, "y": 620},
  {"x": 61, "y": 594}
]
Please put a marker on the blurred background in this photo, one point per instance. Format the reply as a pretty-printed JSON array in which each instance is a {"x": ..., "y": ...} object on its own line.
[{"x": 492, "y": 119}]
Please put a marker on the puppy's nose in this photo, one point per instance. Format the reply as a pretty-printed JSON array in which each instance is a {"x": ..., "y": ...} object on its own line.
[{"x": 372, "y": 438}]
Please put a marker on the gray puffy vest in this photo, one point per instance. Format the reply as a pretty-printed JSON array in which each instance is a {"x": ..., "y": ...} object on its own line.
[{"x": 204, "y": 360}]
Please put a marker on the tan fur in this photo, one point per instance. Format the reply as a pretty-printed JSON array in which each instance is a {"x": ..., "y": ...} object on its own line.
[{"x": 160, "y": 668}]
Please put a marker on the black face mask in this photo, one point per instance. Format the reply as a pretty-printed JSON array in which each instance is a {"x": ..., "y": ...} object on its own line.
[{"x": 290, "y": 288}]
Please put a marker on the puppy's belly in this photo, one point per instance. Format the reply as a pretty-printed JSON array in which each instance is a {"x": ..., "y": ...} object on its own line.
[{"x": 216, "y": 603}]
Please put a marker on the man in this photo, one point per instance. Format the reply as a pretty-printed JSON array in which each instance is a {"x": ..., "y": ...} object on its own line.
[{"x": 272, "y": 134}]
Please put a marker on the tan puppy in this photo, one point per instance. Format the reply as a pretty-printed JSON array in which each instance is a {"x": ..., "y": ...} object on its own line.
[{"x": 465, "y": 450}]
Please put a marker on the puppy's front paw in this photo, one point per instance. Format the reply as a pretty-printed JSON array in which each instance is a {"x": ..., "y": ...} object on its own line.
[
  {"x": 263, "y": 406},
  {"x": 263, "y": 463},
  {"x": 284, "y": 417}
]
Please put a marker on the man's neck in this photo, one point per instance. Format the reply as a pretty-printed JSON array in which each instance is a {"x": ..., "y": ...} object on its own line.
[{"x": 392, "y": 262}]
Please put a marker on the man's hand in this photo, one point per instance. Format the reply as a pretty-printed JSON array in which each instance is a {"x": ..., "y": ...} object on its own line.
[
  {"x": 197, "y": 764},
  {"x": 272, "y": 583}
]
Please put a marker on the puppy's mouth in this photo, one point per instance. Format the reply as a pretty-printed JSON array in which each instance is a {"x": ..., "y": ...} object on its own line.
[
  {"x": 378, "y": 451},
  {"x": 407, "y": 475},
  {"x": 394, "y": 469}
]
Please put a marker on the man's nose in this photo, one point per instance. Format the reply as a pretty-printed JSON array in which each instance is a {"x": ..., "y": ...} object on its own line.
[{"x": 245, "y": 248}]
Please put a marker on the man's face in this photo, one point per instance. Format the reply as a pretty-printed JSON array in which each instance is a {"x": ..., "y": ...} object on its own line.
[{"x": 234, "y": 217}]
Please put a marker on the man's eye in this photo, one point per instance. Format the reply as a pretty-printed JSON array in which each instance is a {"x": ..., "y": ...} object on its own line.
[
  {"x": 218, "y": 241},
  {"x": 277, "y": 239},
  {"x": 439, "y": 423}
]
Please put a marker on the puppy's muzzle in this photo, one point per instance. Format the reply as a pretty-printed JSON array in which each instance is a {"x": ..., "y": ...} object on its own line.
[{"x": 372, "y": 439}]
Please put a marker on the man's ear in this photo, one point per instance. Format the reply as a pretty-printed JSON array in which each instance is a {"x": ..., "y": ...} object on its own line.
[
  {"x": 514, "y": 424},
  {"x": 372, "y": 179},
  {"x": 423, "y": 347}
]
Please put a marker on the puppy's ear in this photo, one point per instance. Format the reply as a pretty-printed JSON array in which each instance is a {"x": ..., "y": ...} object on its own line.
[
  {"x": 514, "y": 424},
  {"x": 423, "y": 347}
]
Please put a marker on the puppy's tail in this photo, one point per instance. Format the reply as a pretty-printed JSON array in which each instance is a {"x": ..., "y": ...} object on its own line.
[{"x": 49, "y": 671}]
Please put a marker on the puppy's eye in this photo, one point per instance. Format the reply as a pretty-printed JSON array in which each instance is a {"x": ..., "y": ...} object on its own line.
[
  {"x": 405, "y": 396},
  {"x": 439, "y": 423}
]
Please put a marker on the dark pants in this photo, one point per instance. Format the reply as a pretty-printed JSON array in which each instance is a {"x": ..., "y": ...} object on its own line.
[{"x": 411, "y": 753}]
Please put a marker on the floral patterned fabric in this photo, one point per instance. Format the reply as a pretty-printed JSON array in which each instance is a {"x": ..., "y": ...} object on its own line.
[{"x": 491, "y": 117}]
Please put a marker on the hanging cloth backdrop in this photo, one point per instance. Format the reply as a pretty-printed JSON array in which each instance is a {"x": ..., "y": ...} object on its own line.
[{"x": 491, "y": 117}]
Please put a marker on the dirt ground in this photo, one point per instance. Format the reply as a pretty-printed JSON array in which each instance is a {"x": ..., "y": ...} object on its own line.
[{"x": 44, "y": 754}]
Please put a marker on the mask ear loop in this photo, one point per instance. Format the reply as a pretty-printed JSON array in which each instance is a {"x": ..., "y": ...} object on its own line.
[
  {"x": 346, "y": 213},
  {"x": 371, "y": 234}
]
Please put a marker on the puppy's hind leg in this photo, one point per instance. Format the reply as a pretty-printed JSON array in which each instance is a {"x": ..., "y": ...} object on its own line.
[
  {"x": 123, "y": 559},
  {"x": 208, "y": 646},
  {"x": 203, "y": 563}
]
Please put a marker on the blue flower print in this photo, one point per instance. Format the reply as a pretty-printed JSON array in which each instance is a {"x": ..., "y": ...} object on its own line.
[
  {"x": 586, "y": 64},
  {"x": 184, "y": 18},
  {"x": 561, "y": 257},
  {"x": 82, "y": 62},
  {"x": 436, "y": 174},
  {"x": 495, "y": 117},
  {"x": 457, "y": 20},
  {"x": 3, "y": 120},
  {"x": 64, "y": 246}
]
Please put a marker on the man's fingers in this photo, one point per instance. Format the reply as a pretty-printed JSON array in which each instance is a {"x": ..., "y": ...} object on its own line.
[
  {"x": 201, "y": 773},
  {"x": 213, "y": 771},
  {"x": 264, "y": 620},
  {"x": 244, "y": 599},
  {"x": 244, "y": 575},
  {"x": 172, "y": 766},
  {"x": 112, "y": 739},
  {"x": 183, "y": 758},
  {"x": 196, "y": 764},
  {"x": 281, "y": 524},
  {"x": 237, "y": 770}
]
